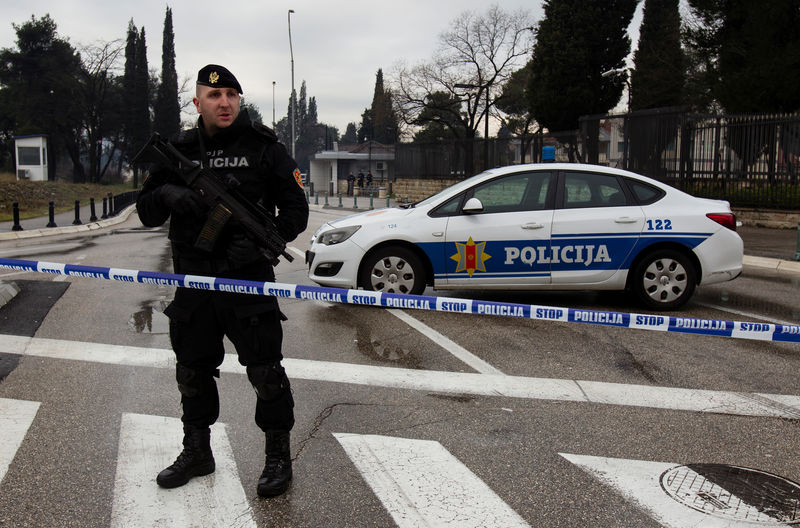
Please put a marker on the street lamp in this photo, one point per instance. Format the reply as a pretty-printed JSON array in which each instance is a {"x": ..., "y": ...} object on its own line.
[
  {"x": 486, "y": 112},
  {"x": 273, "y": 105},
  {"x": 291, "y": 54}
]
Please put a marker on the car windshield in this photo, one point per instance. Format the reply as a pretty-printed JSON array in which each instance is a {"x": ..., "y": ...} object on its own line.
[{"x": 452, "y": 190}]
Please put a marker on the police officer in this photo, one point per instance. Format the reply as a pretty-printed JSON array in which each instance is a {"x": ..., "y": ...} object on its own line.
[{"x": 227, "y": 141}]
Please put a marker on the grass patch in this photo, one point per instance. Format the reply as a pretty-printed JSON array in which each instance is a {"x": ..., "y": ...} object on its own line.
[{"x": 34, "y": 197}]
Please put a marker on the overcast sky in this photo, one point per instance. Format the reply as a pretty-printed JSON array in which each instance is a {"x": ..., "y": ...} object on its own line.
[{"x": 338, "y": 45}]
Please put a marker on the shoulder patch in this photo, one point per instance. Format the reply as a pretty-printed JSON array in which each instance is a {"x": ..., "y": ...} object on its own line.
[
  {"x": 298, "y": 177},
  {"x": 264, "y": 131}
]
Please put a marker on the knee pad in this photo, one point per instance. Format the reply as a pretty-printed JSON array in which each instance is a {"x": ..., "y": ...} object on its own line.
[
  {"x": 269, "y": 381},
  {"x": 193, "y": 382}
]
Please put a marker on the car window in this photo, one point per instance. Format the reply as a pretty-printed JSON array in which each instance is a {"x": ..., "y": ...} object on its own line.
[
  {"x": 645, "y": 193},
  {"x": 588, "y": 189},
  {"x": 449, "y": 208},
  {"x": 517, "y": 192}
]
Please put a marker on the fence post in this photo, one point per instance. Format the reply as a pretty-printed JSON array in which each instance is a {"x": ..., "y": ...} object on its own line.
[
  {"x": 77, "y": 220},
  {"x": 111, "y": 209},
  {"x": 51, "y": 212},
  {"x": 797, "y": 250},
  {"x": 105, "y": 208},
  {"x": 15, "y": 208},
  {"x": 93, "y": 215}
]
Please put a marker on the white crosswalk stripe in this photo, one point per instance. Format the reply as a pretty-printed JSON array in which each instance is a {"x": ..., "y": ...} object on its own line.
[
  {"x": 16, "y": 417},
  {"x": 421, "y": 484},
  {"x": 148, "y": 444}
]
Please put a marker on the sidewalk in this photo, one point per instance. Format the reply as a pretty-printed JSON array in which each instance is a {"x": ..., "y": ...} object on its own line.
[{"x": 764, "y": 248}]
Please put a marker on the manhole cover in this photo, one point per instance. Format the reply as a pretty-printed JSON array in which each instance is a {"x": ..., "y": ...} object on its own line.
[{"x": 733, "y": 492}]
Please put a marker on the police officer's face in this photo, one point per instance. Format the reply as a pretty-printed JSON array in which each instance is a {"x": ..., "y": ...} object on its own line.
[{"x": 218, "y": 106}]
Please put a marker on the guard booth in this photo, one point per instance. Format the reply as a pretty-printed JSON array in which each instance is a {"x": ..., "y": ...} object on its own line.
[{"x": 31, "y": 157}]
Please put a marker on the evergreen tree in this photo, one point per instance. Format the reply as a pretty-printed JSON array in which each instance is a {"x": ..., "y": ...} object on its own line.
[
  {"x": 350, "y": 136},
  {"x": 167, "y": 112},
  {"x": 41, "y": 91},
  {"x": 141, "y": 100},
  {"x": 379, "y": 122},
  {"x": 129, "y": 92},
  {"x": 578, "y": 41},
  {"x": 657, "y": 80}
]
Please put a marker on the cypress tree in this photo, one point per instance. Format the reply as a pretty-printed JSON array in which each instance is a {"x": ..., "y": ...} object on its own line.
[
  {"x": 129, "y": 91},
  {"x": 657, "y": 80},
  {"x": 141, "y": 100},
  {"x": 167, "y": 112}
]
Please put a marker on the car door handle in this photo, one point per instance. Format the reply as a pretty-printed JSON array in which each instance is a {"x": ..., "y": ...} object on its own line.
[
  {"x": 532, "y": 225},
  {"x": 626, "y": 220}
]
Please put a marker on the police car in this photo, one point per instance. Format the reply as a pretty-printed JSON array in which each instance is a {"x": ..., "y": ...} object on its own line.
[{"x": 551, "y": 226}]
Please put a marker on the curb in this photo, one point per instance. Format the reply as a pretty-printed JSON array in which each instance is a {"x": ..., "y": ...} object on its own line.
[
  {"x": 71, "y": 229},
  {"x": 8, "y": 290}
]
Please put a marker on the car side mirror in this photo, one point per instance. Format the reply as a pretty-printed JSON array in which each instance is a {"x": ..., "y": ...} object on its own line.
[{"x": 472, "y": 206}]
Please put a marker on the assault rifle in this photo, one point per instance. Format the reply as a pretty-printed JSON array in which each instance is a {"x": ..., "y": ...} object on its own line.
[{"x": 220, "y": 193}]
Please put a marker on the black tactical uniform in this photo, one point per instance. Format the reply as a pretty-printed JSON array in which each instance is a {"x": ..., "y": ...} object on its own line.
[{"x": 199, "y": 319}]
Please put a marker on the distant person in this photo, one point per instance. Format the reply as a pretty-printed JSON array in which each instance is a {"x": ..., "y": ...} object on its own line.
[
  {"x": 360, "y": 179},
  {"x": 200, "y": 319},
  {"x": 351, "y": 180},
  {"x": 369, "y": 179}
]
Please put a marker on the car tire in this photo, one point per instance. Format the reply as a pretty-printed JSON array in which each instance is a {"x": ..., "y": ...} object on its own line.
[
  {"x": 393, "y": 270},
  {"x": 664, "y": 279}
]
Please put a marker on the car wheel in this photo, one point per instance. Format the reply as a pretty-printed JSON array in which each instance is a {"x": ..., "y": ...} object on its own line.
[
  {"x": 664, "y": 279},
  {"x": 393, "y": 270}
]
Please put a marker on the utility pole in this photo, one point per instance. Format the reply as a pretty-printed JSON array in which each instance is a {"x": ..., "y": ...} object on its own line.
[{"x": 291, "y": 54}]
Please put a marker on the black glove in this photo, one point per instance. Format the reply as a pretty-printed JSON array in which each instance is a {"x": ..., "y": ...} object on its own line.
[
  {"x": 242, "y": 251},
  {"x": 182, "y": 200}
]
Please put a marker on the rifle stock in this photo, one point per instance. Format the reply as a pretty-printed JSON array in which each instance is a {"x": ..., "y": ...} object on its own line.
[{"x": 225, "y": 201}]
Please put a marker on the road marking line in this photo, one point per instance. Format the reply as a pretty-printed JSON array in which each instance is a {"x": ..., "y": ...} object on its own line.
[
  {"x": 421, "y": 484},
  {"x": 301, "y": 254},
  {"x": 148, "y": 444},
  {"x": 745, "y": 314},
  {"x": 461, "y": 383},
  {"x": 16, "y": 417},
  {"x": 454, "y": 348}
]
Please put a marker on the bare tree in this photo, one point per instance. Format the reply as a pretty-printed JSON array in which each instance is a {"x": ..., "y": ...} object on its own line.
[
  {"x": 461, "y": 83},
  {"x": 101, "y": 117}
]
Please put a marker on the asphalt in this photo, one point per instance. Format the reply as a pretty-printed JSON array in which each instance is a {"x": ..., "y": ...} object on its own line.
[{"x": 765, "y": 249}]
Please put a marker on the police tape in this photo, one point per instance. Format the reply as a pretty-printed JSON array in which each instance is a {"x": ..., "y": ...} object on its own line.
[{"x": 663, "y": 323}]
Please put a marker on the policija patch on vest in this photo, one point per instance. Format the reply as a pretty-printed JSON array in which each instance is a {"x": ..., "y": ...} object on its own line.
[{"x": 298, "y": 177}]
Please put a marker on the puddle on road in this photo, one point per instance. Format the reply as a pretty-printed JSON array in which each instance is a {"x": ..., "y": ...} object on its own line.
[{"x": 150, "y": 319}]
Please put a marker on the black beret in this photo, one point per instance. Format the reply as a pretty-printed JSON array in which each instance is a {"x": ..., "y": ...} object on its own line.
[{"x": 217, "y": 76}]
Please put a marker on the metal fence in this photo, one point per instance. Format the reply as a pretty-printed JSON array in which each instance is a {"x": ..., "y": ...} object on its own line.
[{"x": 749, "y": 160}]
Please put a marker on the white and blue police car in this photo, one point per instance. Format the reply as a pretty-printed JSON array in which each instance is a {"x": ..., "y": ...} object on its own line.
[{"x": 551, "y": 226}]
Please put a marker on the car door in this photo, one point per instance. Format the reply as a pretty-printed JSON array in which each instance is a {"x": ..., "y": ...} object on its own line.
[
  {"x": 501, "y": 245},
  {"x": 595, "y": 226}
]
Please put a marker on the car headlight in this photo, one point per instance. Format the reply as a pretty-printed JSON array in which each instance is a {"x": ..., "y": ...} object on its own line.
[{"x": 336, "y": 236}]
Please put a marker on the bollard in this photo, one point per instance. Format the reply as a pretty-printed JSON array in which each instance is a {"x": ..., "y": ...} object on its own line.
[
  {"x": 371, "y": 196},
  {"x": 326, "y": 199},
  {"x": 15, "y": 209},
  {"x": 316, "y": 199},
  {"x": 355, "y": 201},
  {"x": 93, "y": 215},
  {"x": 387, "y": 201},
  {"x": 111, "y": 209},
  {"x": 797, "y": 251},
  {"x": 340, "y": 200},
  {"x": 405, "y": 200},
  {"x": 77, "y": 220},
  {"x": 51, "y": 212},
  {"x": 105, "y": 208}
]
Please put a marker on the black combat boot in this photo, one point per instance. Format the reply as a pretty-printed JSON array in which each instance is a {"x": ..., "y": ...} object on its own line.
[
  {"x": 195, "y": 460},
  {"x": 278, "y": 467}
]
